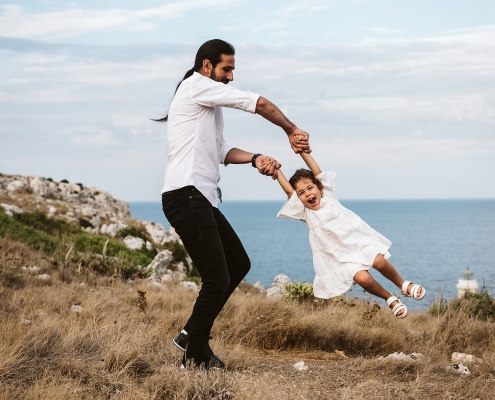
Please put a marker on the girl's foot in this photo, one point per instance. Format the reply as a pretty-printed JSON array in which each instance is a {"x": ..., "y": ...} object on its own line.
[
  {"x": 398, "y": 308},
  {"x": 409, "y": 289}
]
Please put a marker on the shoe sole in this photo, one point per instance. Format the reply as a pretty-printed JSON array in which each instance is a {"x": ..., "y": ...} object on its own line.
[{"x": 178, "y": 346}]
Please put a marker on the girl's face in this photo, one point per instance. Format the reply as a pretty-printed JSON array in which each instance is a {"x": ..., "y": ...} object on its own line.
[{"x": 308, "y": 193}]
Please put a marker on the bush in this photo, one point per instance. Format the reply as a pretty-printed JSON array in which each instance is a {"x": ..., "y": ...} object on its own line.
[
  {"x": 479, "y": 305},
  {"x": 33, "y": 238},
  {"x": 51, "y": 226},
  {"x": 179, "y": 253},
  {"x": 299, "y": 291},
  {"x": 132, "y": 231}
]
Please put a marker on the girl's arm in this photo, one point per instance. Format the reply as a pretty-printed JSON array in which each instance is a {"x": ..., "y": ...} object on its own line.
[
  {"x": 284, "y": 183},
  {"x": 311, "y": 163}
]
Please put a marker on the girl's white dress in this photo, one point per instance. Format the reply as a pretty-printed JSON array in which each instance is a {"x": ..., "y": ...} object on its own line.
[{"x": 342, "y": 243}]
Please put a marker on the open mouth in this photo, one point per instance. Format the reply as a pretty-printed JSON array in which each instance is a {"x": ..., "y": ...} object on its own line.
[{"x": 312, "y": 201}]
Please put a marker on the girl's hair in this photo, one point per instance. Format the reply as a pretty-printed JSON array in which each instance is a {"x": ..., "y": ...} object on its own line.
[
  {"x": 302, "y": 173},
  {"x": 211, "y": 50}
]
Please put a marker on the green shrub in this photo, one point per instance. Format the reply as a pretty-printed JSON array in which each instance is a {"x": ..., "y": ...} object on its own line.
[
  {"x": 179, "y": 252},
  {"x": 438, "y": 307},
  {"x": 132, "y": 231},
  {"x": 35, "y": 239},
  {"x": 479, "y": 305},
  {"x": 51, "y": 226},
  {"x": 299, "y": 291},
  {"x": 64, "y": 181}
]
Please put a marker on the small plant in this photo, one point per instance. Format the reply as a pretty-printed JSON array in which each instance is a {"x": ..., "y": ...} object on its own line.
[
  {"x": 299, "y": 291},
  {"x": 368, "y": 314},
  {"x": 49, "y": 179},
  {"x": 64, "y": 181},
  {"x": 132, "y": 231},
  {"x": 439, "y": 307},
  {"x": 142, "y": 303},
  {"x": 80, "y": 185},
  {"x": 179, "y": 253}
]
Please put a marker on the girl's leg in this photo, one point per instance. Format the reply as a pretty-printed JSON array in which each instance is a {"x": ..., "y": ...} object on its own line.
[
  {"x": 368, "y": 283},
  {"x": 384, "y": 267}
]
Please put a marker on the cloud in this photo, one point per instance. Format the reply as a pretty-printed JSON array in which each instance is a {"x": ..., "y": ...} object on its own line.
[
  {"x": 384, "y": 29},
  {"x": 92, "y": 136},
  {"x": 15, "y": 22}
]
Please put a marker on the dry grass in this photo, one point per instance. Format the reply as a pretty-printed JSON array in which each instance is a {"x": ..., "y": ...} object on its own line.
[{"x": 119, "y": 347}]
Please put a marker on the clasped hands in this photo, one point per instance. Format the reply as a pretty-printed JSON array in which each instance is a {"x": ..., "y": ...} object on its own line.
[{"x": 299, "y": 142}]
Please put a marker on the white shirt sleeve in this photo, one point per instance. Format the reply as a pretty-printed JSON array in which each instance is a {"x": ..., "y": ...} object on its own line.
[
  {"x": 293, "y": 209},
  {"x": 225, "y": 147},
  {"x": 327, "y": 179},
  {"x": 209, "y": 93}
]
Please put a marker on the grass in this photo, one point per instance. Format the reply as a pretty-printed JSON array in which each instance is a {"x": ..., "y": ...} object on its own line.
[{"x": 119, "y": 345}]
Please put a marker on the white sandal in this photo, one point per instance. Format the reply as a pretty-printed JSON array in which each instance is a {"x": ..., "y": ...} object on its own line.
[
  {"x": 398, "y": 307},
  {"x": 414, "y": 290}
]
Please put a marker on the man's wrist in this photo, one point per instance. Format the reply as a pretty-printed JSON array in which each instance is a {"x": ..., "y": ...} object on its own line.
[{"x": 253, "y": 159}]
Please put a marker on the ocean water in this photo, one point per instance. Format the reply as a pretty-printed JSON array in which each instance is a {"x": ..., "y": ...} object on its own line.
[{"x": 433, "y": 241}]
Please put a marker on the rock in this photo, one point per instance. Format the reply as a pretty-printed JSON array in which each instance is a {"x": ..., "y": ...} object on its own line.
[
  {"x": 133, "y": 243},
  {"x": 32, "y": 269},
  {"x": 159, "y": 265},
  {"x": 52, "y": 211},
  {"x": 301, "y": 366},
  {"x": 399, "y": 356},
  {"x": 189, "y": 285},
  {"x": 11, "y": 209},
  {"x": 181, "y": 268},
  {"x": 157, "y": 285},
  {"x": 25, "y": 321},
  {"x": 178, "y": 276},
  {"x": 464, "y": 358},
  {"x": 149, "y": 246},
  {"x": 278, "y": 286},
  {"x": 459, "y": 368},
  {"x": 260, "y": 287},
  {"x": 166, "y": 278},
  {"x": 76, "y": 309},
  {"x": 43, "y": 277}
]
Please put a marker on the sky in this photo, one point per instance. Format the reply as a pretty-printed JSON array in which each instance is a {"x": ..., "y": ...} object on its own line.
[{"x": 398, "y": 96}]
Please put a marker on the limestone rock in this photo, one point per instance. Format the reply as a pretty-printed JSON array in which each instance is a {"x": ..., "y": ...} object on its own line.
[
  {"x": 459, "y": 368},
  {"x": 166, "y": 278},
  {"x": 301, "y": 366},
  {"x": 278, "y": 286},
  {"x": 260, "y": 287},
  {"x": 76, "y": 309},
  {"x": 32, "y": 269},
  {"x": 159, "y": 265},
  {"x": 157, "y": 285},
  {"x": 43, "y": 277},
  {"x": 464, "y": 358},
  {"x": 11, "y": 209},
  {"x": 399, "y": 356},
  {"x": 133, "y": 243},
  {"x": 189, "y": 285}
]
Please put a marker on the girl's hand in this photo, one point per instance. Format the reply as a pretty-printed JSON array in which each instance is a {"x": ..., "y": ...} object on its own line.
[
  {"x": 267, "y": 166},
  {"x": 299, "y": 141}
]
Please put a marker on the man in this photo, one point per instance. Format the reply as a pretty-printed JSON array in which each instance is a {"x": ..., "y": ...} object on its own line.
[{"x": 190, "y": 194}]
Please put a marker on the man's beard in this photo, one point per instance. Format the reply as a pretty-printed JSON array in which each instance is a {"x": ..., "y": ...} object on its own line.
[{"x": 214, "y": 77}]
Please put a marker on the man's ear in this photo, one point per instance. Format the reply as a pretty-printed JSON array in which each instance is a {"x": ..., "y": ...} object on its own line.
[{"x": 207, "y": 67}]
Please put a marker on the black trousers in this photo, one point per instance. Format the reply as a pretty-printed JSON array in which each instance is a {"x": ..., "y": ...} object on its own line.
[{"x": 216, "y": 251}]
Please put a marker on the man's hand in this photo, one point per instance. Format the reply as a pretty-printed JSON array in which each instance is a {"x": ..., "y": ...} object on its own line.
[
  {"x": 267, "y": 166},
  {"x": 299, "y": 141}
]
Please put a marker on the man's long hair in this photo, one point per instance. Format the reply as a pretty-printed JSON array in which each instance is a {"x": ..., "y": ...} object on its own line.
[{"x": 211, "y": 50}]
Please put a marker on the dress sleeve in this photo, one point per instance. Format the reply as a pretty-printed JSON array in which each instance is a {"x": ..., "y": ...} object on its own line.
[
  {"x": 327, "y": 179},
  {"x": 209, "y": 93},
  {"x": 293, "y": 209}
]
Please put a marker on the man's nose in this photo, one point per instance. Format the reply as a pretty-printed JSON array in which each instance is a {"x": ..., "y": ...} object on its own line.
[{"x": 230, "y": 76}]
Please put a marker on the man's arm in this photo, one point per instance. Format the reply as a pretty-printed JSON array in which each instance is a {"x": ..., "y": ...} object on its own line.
[
  {"x": 297, "y": 137},
  {"x": 266, "y": 165}
]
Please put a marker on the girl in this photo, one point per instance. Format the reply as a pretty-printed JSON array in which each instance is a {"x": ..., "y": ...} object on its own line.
[{"x": 344, "y": 247}]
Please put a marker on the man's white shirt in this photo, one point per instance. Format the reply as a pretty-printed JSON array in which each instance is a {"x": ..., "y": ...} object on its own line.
[{"x": 195, "y": 140}]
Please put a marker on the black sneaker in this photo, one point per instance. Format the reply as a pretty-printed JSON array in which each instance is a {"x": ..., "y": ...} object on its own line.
[
  {"x": 207, "y": 360},
  {"x": 181, "y": 340}
]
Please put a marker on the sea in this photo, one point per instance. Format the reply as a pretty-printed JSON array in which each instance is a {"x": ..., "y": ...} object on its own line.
[{"x": 433, "y": 241}]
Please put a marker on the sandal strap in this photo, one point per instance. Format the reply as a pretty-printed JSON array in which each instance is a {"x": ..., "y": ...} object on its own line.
[
  {"x": 398, "y": 307},
  {"x": 404, "y": 287}
]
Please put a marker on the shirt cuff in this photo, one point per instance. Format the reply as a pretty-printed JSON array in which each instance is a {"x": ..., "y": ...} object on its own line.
[
  {"x": 252, "y": 104},
  {"x": 226, "y": 147}
]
